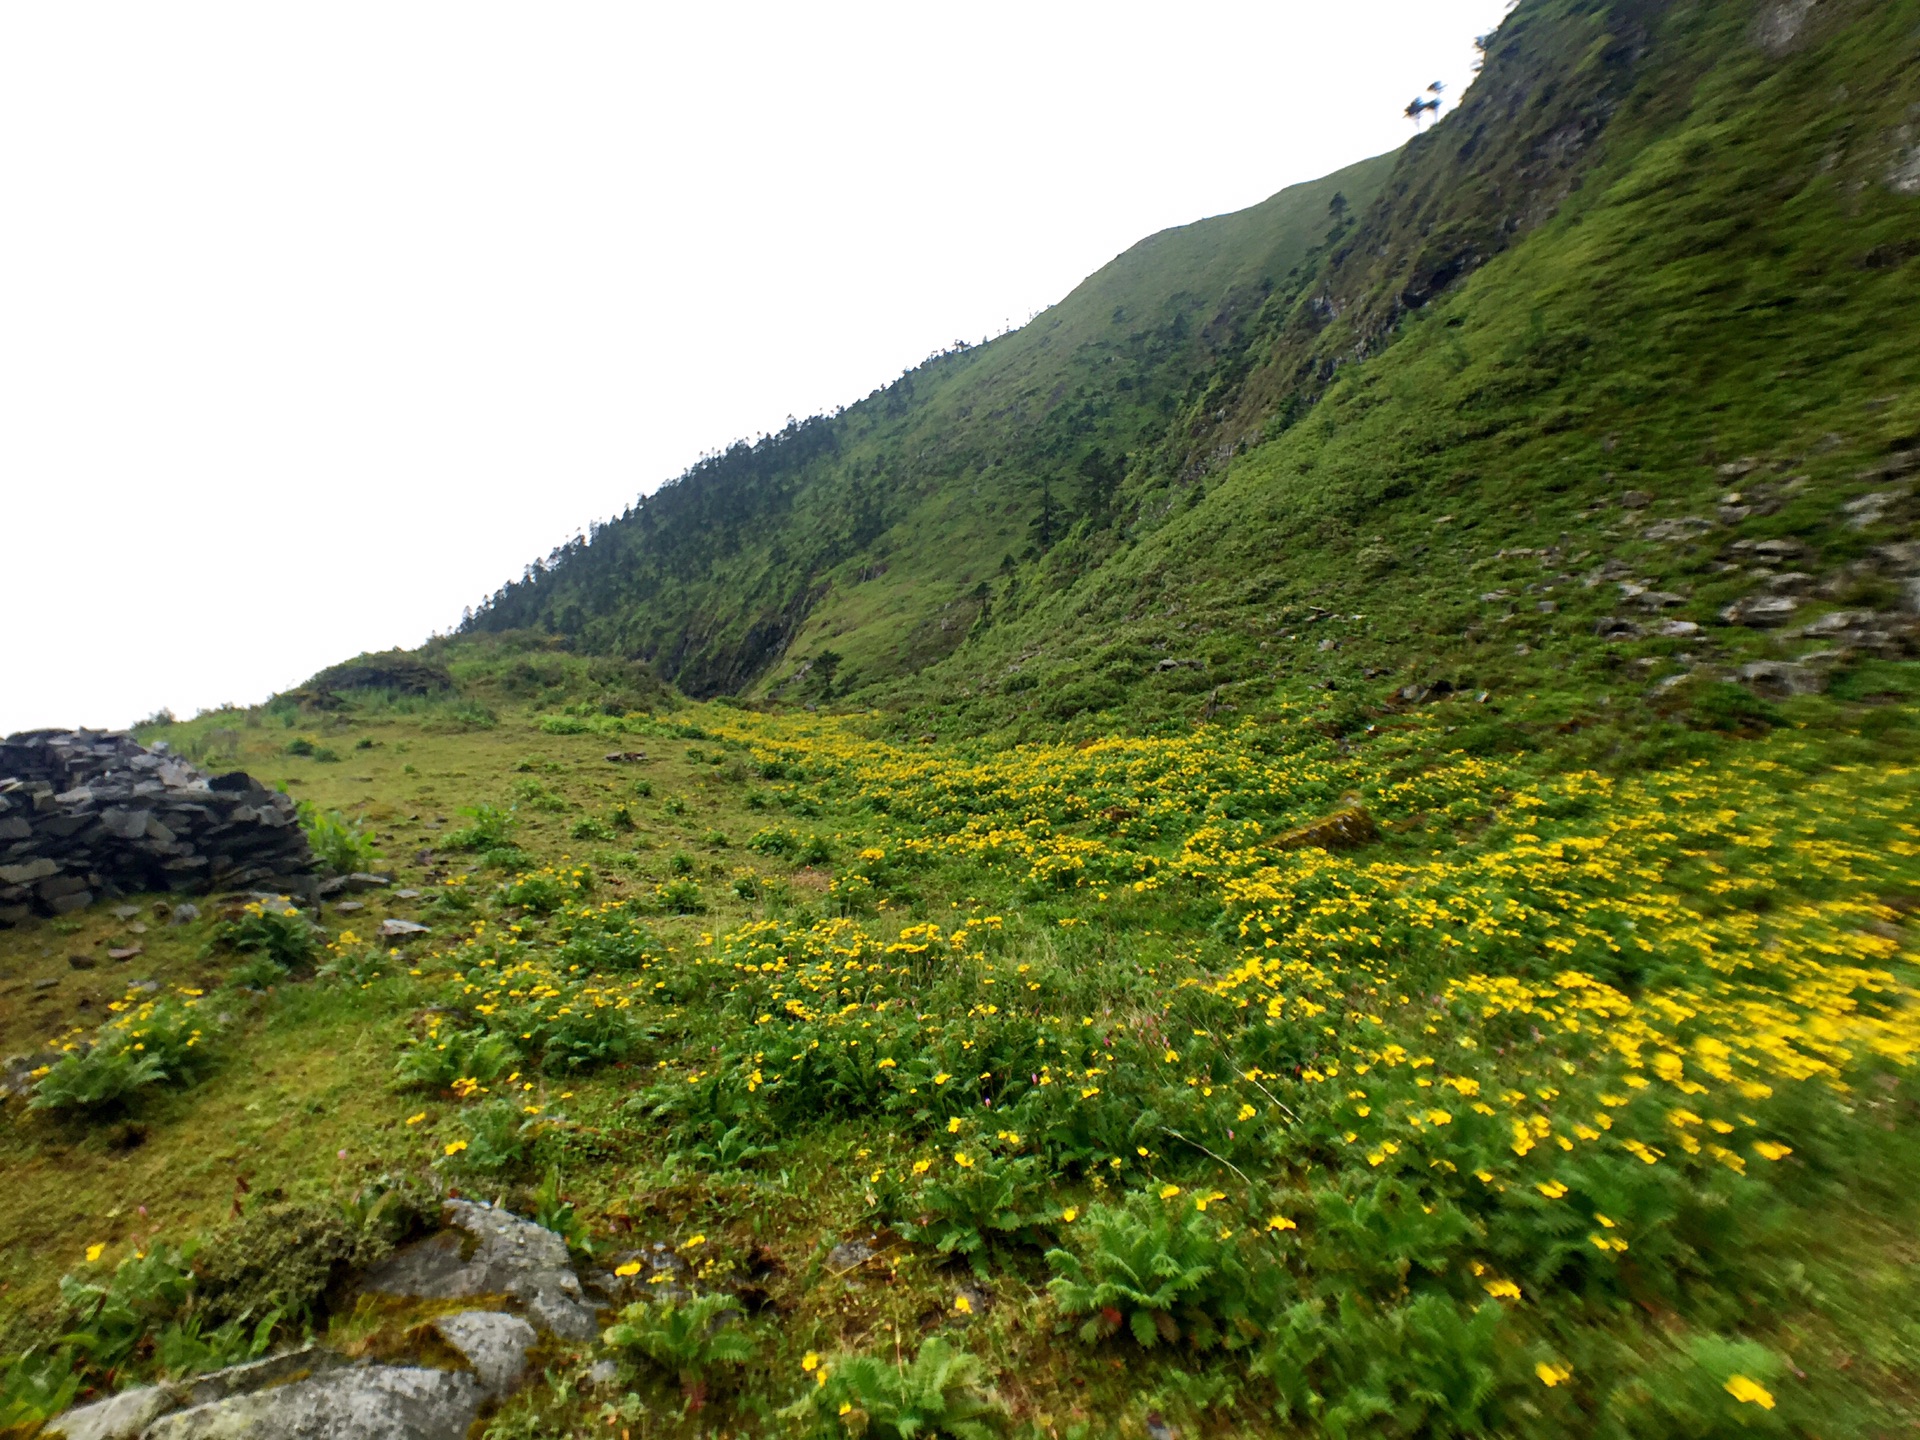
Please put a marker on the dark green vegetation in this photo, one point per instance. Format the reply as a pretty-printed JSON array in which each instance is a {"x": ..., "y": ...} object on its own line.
[
  {"x": 1542, "y": 504},
  {"x": 1655, "y": 241}
]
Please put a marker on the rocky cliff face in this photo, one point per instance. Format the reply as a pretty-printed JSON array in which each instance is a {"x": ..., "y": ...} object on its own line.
[{"x": 91, "y": 813}]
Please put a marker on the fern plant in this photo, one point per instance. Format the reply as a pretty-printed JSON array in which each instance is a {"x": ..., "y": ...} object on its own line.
[
  {"x": 342, "y": 845},
  {"x": 692, "y": 1338},
  {"x": 488, "y": 828},
  {"x": 940, "y": 1394},
  {"x": 437, "y": 1061},
  {"x": 1427, "y": 1369},
  {"x": 989, "y": 1204},
  {"x": 1162, "y": 1271}
]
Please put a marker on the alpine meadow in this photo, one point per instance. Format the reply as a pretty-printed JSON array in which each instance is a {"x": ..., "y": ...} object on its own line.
[{"x": 1320, "y": 841}]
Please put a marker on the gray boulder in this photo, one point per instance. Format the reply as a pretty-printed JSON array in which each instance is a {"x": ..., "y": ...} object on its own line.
[
  {"x": 1681, "y": 527},
  {"x": 488, "y": 1251},
  {"x": 374, "y": 1402},
  {"x": 495, "y": 1345},
  {"x": 1761, "y": 612},
  {"x": 1778, "y": 680},
  {"x": 120, "y": 1417}
]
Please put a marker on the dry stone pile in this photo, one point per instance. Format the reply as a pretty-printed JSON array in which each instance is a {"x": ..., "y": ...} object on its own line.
[{"x": 92, "y": 813}]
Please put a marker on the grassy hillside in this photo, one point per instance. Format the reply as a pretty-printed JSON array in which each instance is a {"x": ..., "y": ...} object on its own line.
[
  {"x": 1710, "y": 348},
  {"x": 1389, "y": 914},
  {"x": 1540, "y": 1104},
  {"x": 869, "y": 531}
]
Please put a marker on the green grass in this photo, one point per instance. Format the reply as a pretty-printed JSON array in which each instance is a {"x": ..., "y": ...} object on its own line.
[{"x": 1009, "y": 972}]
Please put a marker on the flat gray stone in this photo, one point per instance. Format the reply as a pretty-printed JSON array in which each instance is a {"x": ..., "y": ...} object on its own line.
[
  {"x": 298, "y": 1364},
  {"x": 401, "y": 929},
  {"x": 495, "y": 1345},
  {"x": 120, "y": 1417},
  {"x": 1777, "y": 680},
  {"x": 489, "y": 1251},
  {"x": 374, "y": 1402}
]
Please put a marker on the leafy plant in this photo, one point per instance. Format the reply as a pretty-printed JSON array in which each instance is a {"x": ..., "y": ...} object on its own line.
[
  {"x": 680, "y": 897},
  {"x": 1160, "y": 1270},
  {"x": 608, "y": 939},
  {"x": 148, "y": 1042},
  {"x": 791, "y": 845},
  {"x": 272, "y": 930},
  {"x": 942, "y": 1393},
  {"x": 545, "y": 891},
  {"x": 693, "y": 1338},
  {"x": 488, "y": 828},
  {"x": 342, "y": 845},
  {"x": 148, "y": 1303},
  {"x": 438, "y": 1060},
  {"x": 36, "y": 1386},
  {"x": 975, "y": 1208},
  {"x": 1426, "y": 1369},
  {"x": 554, "y": 1212},
  {"x": 500, "y": 1139}
]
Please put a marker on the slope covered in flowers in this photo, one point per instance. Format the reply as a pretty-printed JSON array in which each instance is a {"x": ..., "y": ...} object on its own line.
[{"x": 1546, "y": 1102}]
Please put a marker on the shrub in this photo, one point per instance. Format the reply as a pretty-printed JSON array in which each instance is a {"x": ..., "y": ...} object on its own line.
[
  {"x": 488, "y": 828},
  {"x": 1423, "y": 1369},
  {"x": 275, "y": 932},
  {"x": 1723, "y": 705},
  {"x": 588, "y": 828},
  {"x": 437, "y": 1061},
  {"x": 691, "y": 1338},
  {"x": 281, "y": 1260},
  {"x": 939, "y": 1394},
  {"x": 985, "y": 1204},
  {"x": 148, "y": 1042},
  {"x": 545, "y": 891},
  {"x": 680, "y": 897},
  {"x": 1160, "y": 1270}
]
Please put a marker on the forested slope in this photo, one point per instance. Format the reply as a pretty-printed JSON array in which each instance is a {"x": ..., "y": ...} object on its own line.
[
  {"x": 877, "y": 524},
  {"x": 1650, "y": 233}
]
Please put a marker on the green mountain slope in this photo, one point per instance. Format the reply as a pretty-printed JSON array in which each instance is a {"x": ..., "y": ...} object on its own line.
[
  {"x": 1363, "y": 882},
  {"x": 1273, "y": 407},
  {"x": 1722, "y": 318},
  {"x": 874, "y": 527}
]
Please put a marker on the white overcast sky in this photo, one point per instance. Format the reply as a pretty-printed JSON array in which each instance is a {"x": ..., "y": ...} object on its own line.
[{"x": 319, "y": 321}]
